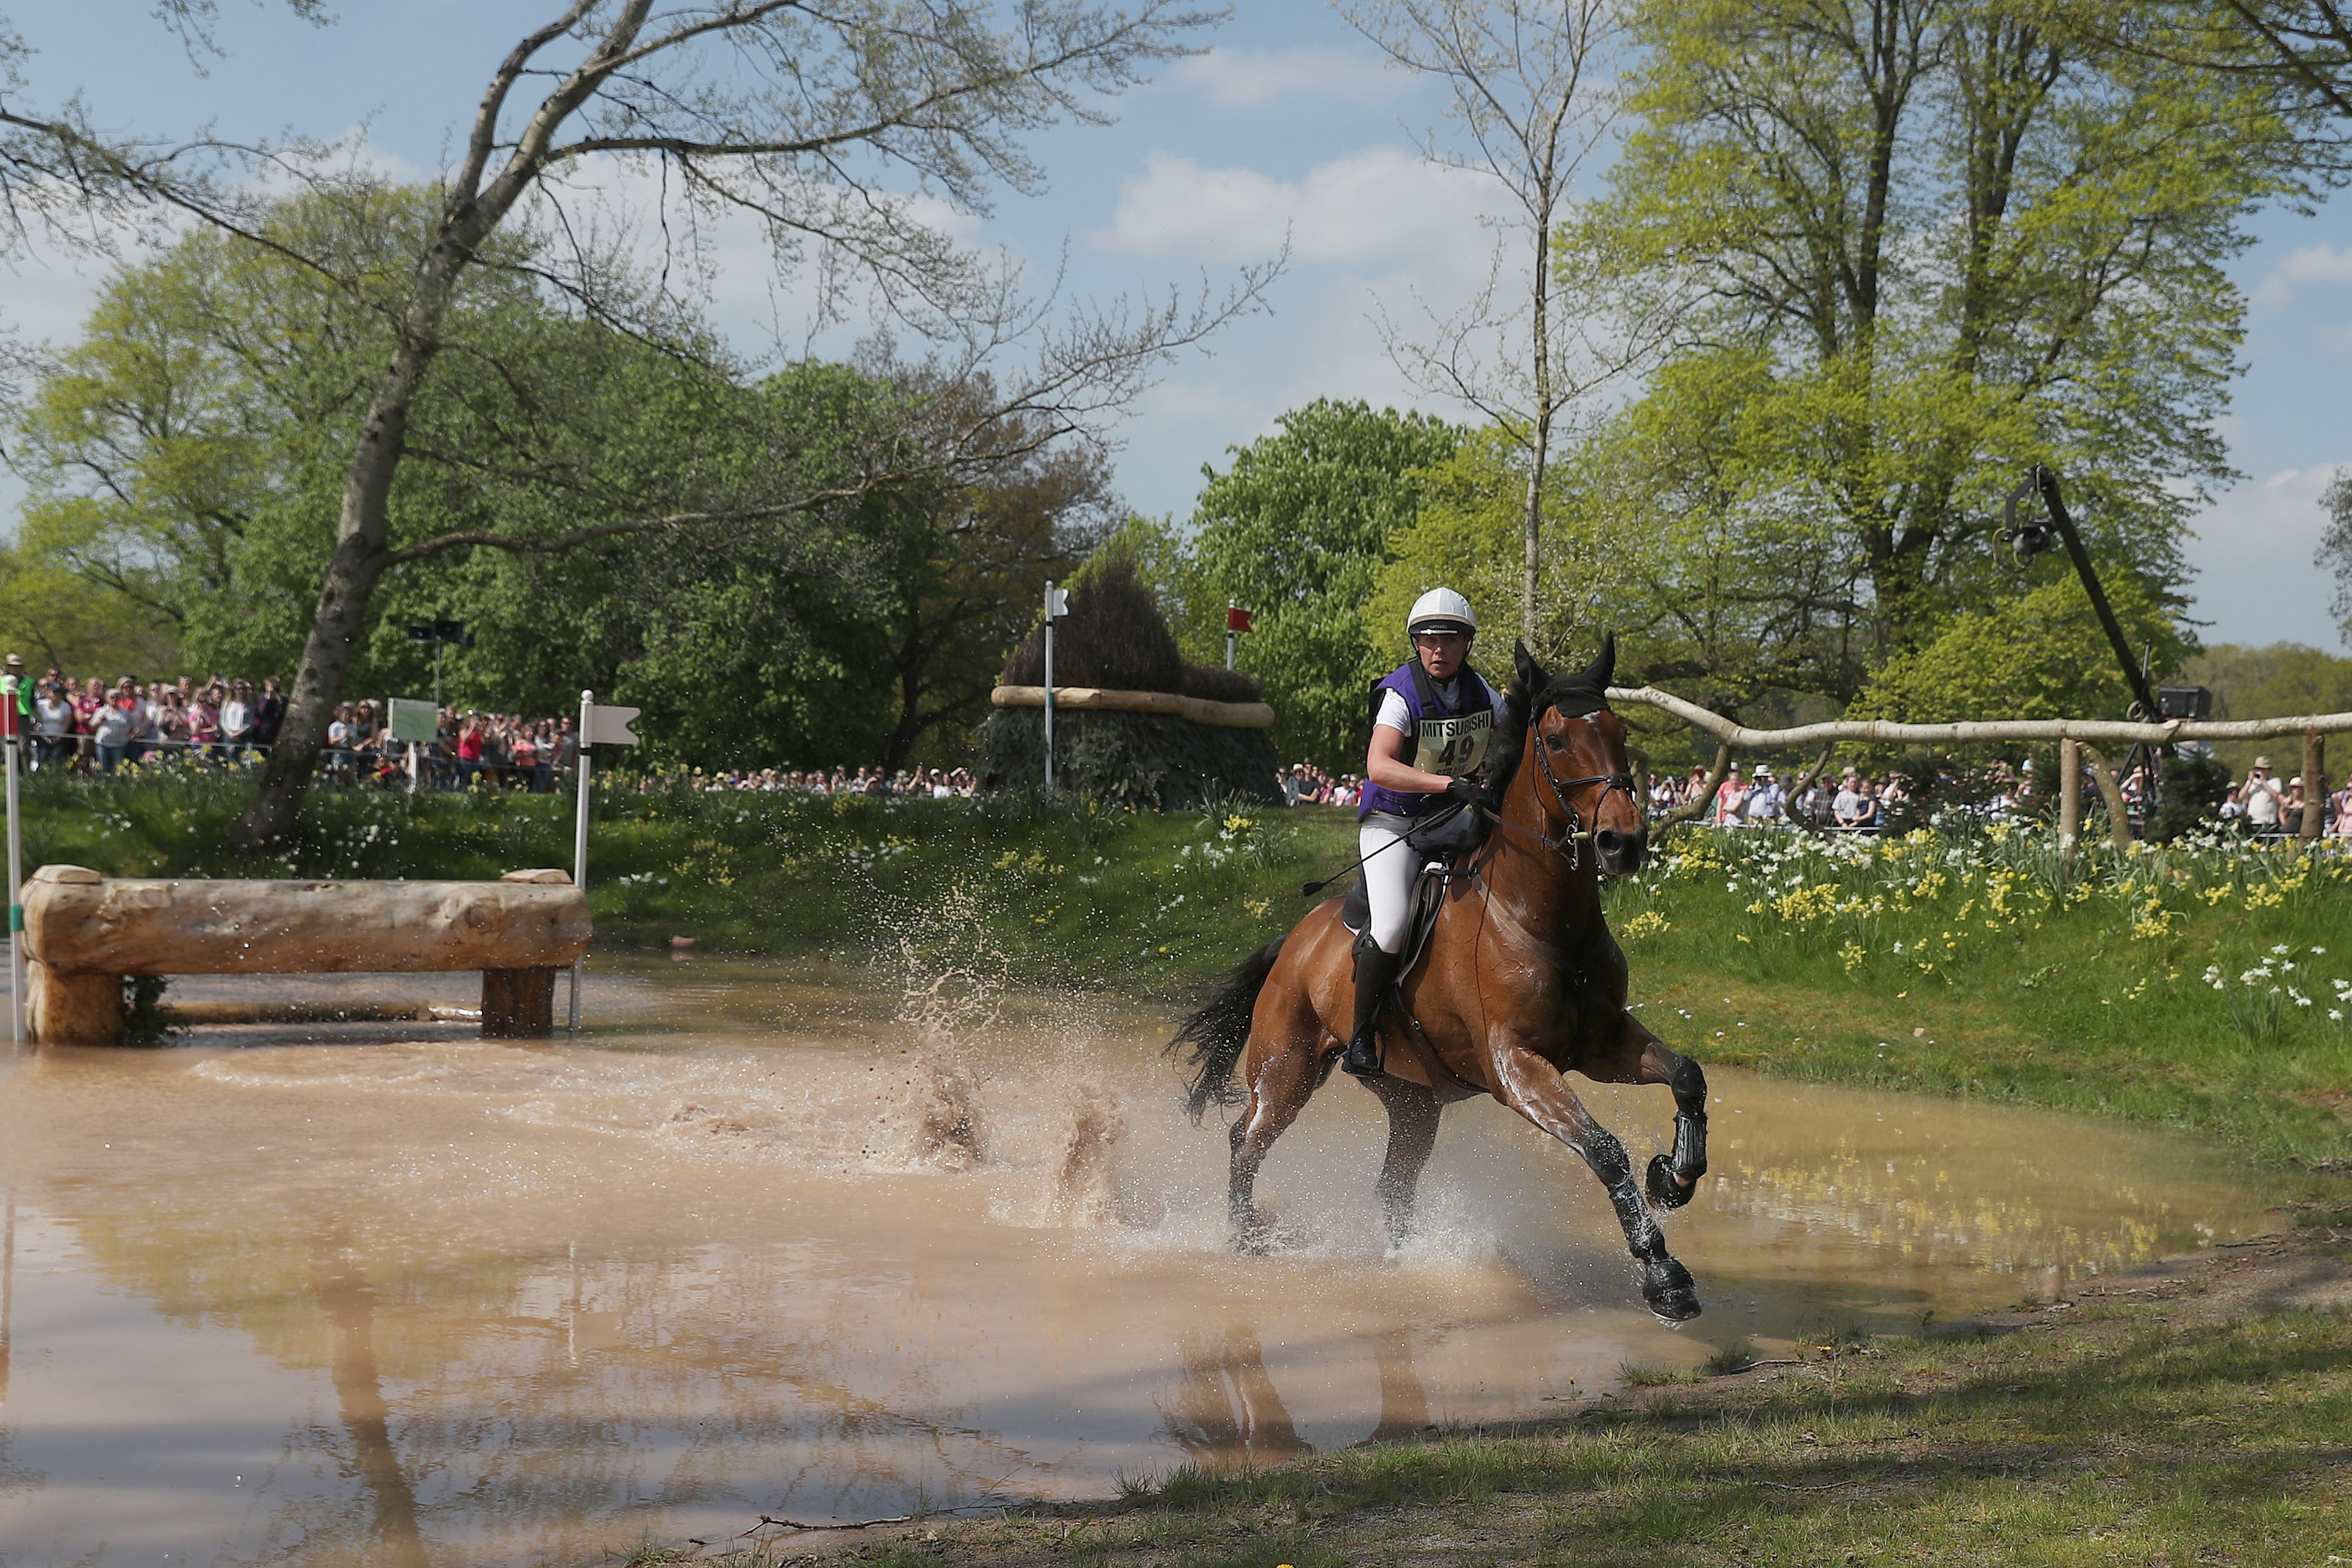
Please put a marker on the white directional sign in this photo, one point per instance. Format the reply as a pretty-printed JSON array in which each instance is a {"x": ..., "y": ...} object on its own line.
[
  {"x": 606, "y": 726},
  {"x": 1057, "y": 603}
]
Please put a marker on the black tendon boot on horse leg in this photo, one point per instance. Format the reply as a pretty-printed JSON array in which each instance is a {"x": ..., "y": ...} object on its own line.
[
  {"x": 1375, "y": 973},
  {"x": 1534, "y": 1088}
]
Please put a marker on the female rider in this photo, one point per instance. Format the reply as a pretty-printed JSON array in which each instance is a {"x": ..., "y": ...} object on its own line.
[{"x": 1432, "y": 725}]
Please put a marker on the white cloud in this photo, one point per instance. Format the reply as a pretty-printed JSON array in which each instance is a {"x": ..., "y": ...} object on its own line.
[
  {"x": 2303, "y": 267},
  {"x": 722, "y": 258},
  {"x": 2252, "y": 556},
  {"x": 1252, "y": 78},
  {"x": 2276, "y": 517},
  {"x": 1367, "y": 205}
]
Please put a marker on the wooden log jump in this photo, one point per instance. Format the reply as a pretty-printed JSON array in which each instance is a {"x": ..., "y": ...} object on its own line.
[
  {"x": 1101, "y": 699},
  {"x": 84, "y": 933}
]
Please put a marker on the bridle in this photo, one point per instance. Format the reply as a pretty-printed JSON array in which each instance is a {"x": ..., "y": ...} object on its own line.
[{"x": 1573, "y": 830}]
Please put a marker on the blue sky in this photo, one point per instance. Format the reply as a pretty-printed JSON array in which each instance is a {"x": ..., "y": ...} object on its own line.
[{"x": 1289, "y": 127}]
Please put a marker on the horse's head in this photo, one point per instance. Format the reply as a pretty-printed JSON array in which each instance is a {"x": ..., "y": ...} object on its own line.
[{"x": 1582, "y": 781}]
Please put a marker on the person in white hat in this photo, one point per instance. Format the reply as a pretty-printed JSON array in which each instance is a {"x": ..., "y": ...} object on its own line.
[
  {"x": 1432, "y": 726},
  {"x": 2263, "y": 797}
]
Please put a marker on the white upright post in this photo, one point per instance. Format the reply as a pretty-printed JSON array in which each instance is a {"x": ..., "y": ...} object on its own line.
[
  {"x": 15, "y": 874},
  {"x": 1230, "y": 607},
  {"x": 579, "y": 842},
  {"x": 1049, "y": 686}
]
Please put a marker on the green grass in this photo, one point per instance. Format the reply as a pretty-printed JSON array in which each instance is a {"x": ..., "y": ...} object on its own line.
[
  {"x": 1974, "y": 964},
  {"x": 2136, "y": 1446},
  {"x": 1989, "y": 967}
]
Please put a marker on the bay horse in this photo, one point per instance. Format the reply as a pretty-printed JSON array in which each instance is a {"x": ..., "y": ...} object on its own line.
[{"x": 1520, "y": 984}]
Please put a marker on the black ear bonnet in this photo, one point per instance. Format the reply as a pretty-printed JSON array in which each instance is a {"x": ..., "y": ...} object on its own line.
[{"x": 1586, "y": 691}]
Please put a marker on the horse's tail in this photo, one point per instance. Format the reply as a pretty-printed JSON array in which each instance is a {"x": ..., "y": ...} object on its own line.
[{"x": 1214, "y": 1034}]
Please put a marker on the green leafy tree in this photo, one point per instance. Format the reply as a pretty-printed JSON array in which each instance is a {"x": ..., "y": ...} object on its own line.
[
  {"x": 2271, "y": 682},
  {"x": 1296, "y": 530},
  {"x": 1936, "y": 240},
  {"x": 55, "y": 619},
  {"x": 186, "y": 456},
  {"x": 2042, "y": 655},
  {"x": 797, "y": 118}
]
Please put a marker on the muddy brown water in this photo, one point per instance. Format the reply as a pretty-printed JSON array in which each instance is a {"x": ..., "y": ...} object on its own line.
[{"x": 774, "y": 1241}]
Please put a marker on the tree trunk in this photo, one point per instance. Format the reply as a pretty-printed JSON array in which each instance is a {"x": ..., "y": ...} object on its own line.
[
  {"x": 2118, "y": 812},
  {"x": 1539, "y": 311},
  {"x": 336, "y": 628},
  {"x": 363, "y": 546}
]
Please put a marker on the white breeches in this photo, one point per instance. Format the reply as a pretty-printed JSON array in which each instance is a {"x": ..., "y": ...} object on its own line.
[{"x": 1390, "y": 874}]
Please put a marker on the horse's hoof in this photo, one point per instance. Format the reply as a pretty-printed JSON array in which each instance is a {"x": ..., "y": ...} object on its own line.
[
  {"x": 1670, "y": 1291},
  {"x": 1252, "y": 1237},
  {"x": 1665, "y": 1191}
]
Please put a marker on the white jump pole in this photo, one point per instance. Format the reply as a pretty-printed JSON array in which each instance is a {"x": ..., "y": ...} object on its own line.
[
  {"x": 1049, "y": 686},
  {"x": 15, "y": 873},
  {"x": 580, "y": 845}
]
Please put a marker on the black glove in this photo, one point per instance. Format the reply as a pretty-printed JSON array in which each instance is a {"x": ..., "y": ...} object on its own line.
[{"x": 1469, "y": 792}]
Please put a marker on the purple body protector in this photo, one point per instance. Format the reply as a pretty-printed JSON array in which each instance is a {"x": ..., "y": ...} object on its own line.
[{"x": 1453, "y": 741}]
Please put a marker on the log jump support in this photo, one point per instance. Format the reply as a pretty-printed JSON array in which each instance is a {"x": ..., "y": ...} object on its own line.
[{"x": 85, "y": 934}]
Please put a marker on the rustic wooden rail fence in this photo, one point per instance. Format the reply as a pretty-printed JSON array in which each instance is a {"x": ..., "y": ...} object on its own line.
[{"x": 2078, "y": 739}]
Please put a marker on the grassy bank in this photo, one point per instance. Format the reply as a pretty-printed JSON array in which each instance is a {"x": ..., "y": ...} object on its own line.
[
  {"x": 2191, "y": 1414},
  {"x": 2207, "y": 986}
]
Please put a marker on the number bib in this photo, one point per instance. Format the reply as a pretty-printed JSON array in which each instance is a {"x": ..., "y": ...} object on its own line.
[{"x": 1455, "y": 747}]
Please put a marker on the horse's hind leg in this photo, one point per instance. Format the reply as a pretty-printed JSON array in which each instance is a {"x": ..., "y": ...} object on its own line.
[
  {"x": 1533, "y": 1087},
  {"x": 1642, "y": 1057},
  {"x": 1280, "y": 1086},
  {"x": 1413, "y": 1131}
]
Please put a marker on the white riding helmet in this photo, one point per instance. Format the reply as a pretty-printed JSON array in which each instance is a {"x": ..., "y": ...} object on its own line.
[{"x": 1441, "y": 610}]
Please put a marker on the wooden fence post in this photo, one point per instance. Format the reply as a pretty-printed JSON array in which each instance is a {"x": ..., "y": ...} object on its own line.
[
  {"x": 2315, "y": 786},
  {"x": 2070, "y": 795}
]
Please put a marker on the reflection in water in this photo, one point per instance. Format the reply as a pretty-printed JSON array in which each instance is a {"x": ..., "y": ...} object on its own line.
[
  {"x": 1224, "y": 1409},
  {"x": 720, "y": 1261},
  {"x": 8, "y": 1292},
  {"x": 349, "y": 1306},
  {"x": 1404, "y": 1403}
]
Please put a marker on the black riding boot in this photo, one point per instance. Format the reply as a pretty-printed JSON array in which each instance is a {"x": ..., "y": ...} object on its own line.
[{"x": 1375, "y": 973}]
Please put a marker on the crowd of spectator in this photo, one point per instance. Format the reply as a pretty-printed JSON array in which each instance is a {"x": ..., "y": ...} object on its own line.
[
  {"x": 1857, "y": 802},
  {"x": 86, "y": 725},
  {"x": 2265, "y": 806},
  {"x": 90, "y": 725},
  {"x": 1304, "y": 783},
  {"x": 1854, "y": 803}
]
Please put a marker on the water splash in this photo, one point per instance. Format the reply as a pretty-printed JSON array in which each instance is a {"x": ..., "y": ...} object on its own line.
[
  {"x": 1086, "y": 1190},
  {"x": 947, "y": 1121}
]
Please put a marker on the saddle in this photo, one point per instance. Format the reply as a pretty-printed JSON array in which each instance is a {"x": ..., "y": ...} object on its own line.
[
  {"x": 1429, "y": 890},
  {"x": 1428, "y": 898}
]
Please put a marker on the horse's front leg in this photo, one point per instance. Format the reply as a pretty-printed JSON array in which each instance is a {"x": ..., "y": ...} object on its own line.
[
  {"x": 1413, "y": 1131},
  {"x": 1531, "y": 1086},
  {"x": 1642, "y": 1057}
]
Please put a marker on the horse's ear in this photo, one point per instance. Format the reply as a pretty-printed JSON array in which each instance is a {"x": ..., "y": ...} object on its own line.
[
  {"x": 1531, "y": 675},
  {"x": 1603, "y": 667}
]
